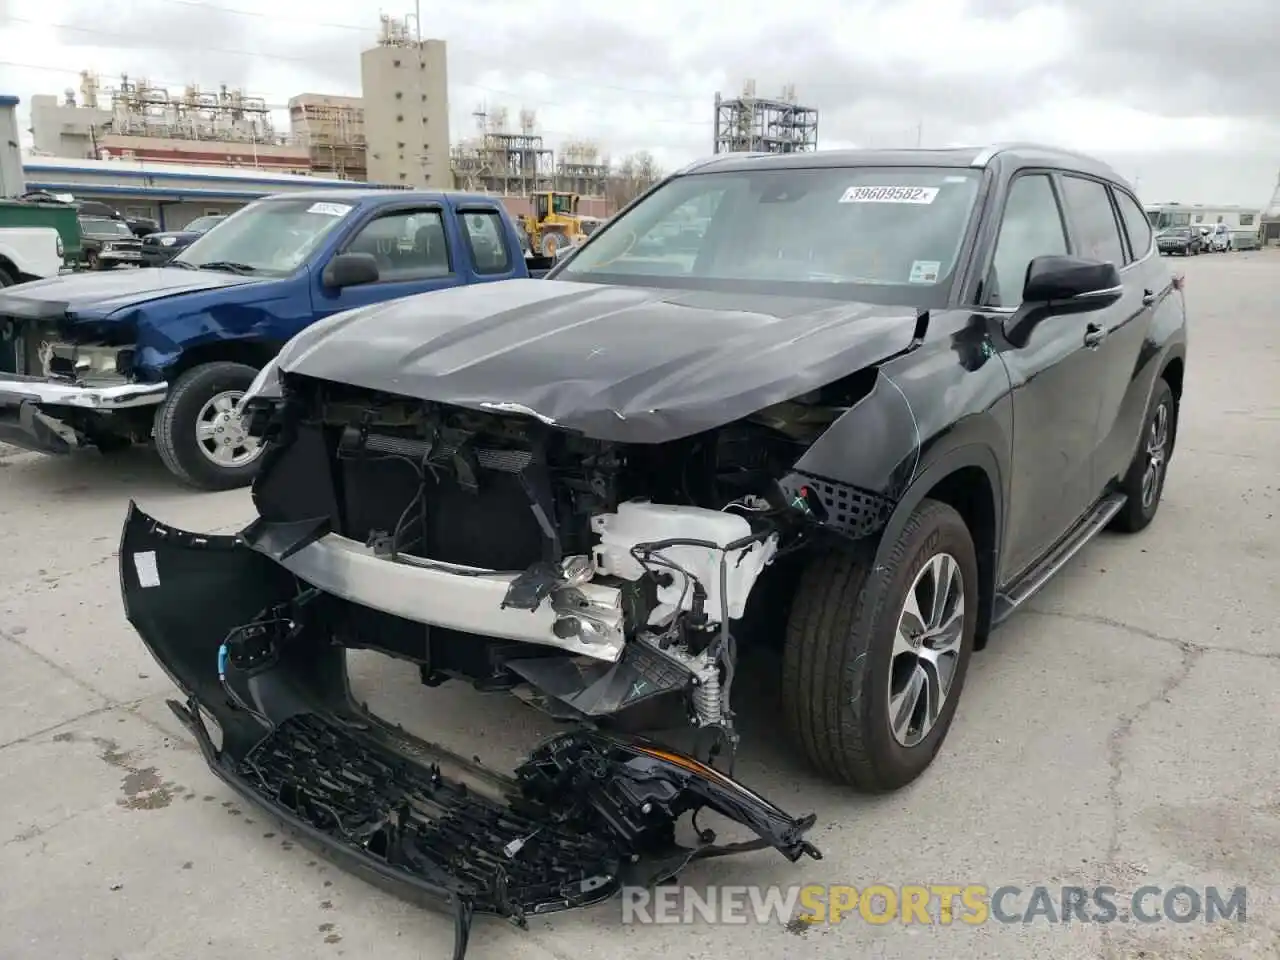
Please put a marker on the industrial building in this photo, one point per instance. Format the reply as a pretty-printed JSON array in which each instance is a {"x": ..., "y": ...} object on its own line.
[
  {"x": 405, "y": 85},
  {"x": 396, "y": 133},
  {"x": 171, "y": 195},
  {"x": 518, "y": 162},
  {"x": 136, "y": 120},
  {"x": 332, "y": 130},
  {"x": 751, "y": 124}
]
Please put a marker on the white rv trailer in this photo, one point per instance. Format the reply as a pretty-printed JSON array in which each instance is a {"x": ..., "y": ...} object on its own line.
[{"x": 1239, "y": 220}]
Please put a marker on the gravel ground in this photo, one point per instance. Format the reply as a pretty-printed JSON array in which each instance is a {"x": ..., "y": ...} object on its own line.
[{"x": 1120, "y": 732}]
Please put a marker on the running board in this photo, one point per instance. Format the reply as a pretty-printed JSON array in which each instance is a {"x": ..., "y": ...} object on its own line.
[{"x": 1026, "y": 586}]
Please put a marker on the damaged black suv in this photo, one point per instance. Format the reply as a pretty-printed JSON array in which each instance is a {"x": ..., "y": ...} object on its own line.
[{"x": 863, "y": 404}]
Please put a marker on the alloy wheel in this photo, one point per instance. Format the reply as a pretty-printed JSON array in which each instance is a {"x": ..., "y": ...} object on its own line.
[
  {"x": 1157, "y": 453},
  {"x": 926, "y": 649},
  {"x": 222, "y": 434}
]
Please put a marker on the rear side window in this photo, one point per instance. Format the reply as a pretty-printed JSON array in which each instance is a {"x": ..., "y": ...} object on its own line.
[
  {"x": 1097, "y": 235},
  {"x": 487, "y": 241},
  {"x": 1136, "y": 224}
]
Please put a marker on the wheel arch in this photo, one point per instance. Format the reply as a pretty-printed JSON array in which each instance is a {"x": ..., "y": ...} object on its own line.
[
  {"x": 1172, "y": 373},
  {"x": 252, "y": 352},
  {"x": 967, "y": 479}
]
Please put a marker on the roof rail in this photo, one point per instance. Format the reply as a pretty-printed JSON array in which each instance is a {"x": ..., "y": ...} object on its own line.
[
  {"x": 995, "y": 149},
  {"x": 712, "y": 158}
]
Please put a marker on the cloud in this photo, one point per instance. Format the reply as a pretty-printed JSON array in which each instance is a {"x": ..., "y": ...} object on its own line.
[{"x": 1178, "y": 86}]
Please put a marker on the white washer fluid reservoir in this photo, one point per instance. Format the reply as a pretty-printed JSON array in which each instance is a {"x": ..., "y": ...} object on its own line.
[{"x": 642, "y": 522}]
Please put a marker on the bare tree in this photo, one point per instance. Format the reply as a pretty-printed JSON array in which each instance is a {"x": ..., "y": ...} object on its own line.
[{"x": 629, "y": 178}]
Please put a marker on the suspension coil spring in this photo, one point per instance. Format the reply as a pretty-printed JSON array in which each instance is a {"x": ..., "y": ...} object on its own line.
[{"x": 706, "y": 698}]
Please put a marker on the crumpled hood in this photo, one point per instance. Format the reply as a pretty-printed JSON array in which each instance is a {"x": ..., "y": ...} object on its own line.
[
  {"x": 99, "y": 293},
  {"x": 615, "y": 363}
]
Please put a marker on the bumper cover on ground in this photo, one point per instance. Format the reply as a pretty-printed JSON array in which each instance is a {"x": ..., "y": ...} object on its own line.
[{"x": 586, "y": 814}]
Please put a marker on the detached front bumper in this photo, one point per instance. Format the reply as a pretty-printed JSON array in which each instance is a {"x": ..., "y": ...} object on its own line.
[
  {"x": 261, "y": 656},
  {"x": 33, "y": 410}
]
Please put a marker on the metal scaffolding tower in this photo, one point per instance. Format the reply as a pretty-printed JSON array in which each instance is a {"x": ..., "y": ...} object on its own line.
[{"x": 751, "y": 124}]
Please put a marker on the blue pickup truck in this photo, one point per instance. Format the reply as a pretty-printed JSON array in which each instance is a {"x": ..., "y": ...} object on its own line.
[{"x": 164, "y": 354}]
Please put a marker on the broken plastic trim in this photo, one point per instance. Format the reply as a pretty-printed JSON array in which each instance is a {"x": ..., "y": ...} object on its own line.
[{"x": 258, "y": 652}]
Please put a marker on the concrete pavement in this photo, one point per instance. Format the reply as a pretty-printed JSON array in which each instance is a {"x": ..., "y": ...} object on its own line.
[{"x": 1121, "y": 732}]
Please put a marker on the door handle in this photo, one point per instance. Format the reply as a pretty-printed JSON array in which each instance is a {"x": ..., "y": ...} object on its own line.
[
  {"x": 1148, "y": 298},
  {"x": 1094, "y": 335}
]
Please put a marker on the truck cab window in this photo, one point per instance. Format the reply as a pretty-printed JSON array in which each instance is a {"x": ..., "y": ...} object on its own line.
[{"x": 408, "y": 245}]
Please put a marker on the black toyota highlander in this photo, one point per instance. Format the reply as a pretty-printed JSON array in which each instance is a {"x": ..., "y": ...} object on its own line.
[{"x": 861, "y": 416}]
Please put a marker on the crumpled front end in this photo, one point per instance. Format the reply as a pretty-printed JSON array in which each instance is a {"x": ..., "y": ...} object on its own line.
[{"x": 259, "y": 655}]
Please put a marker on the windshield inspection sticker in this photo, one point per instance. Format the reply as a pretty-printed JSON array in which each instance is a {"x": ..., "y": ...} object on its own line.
[
  {"x": 889, "y": 195},
  {"x": 924, "y": 271},
  {"x": 329, "y": 209}
]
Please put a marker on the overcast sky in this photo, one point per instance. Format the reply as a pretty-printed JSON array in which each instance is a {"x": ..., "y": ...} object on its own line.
[{"x": 1180, "y": 95}]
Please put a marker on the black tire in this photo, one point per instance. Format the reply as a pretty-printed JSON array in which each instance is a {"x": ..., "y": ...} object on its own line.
[
  {"x": 838, "y": 657},
  {"x": 5, "y": 279},
  {"x": 550, "y": 243},
  {"x": 91, "y": 260},
  {"x": 175, "y": 426},
  {"x": 1138, "y": 510}
]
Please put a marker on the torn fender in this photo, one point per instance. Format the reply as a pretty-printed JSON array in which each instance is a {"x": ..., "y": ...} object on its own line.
[
  {"x": 260, "y": 656},
  {"x": 627, "y": 364}
]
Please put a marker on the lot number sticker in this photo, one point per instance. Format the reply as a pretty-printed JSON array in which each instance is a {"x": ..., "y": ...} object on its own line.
[
  {"x": 329, "y": 209},
  {"x": 889, "y": 195},
  {"x": 924, "y": 271}
]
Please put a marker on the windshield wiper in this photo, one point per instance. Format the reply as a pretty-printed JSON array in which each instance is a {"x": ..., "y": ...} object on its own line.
[
  {"x": 180, "y": 263},
  {"x": 229, "y": 266}
]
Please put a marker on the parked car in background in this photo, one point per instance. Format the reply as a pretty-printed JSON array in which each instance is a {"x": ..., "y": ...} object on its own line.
[
  {"x": 1218, "y": 239},
  {"x": 1246, "y": 241},
  {"x": 164, "y": 245},
  {"x": 138, "y": 226},
  {"x": 108, "y": 243},
  {"x": 163, "y": 355},
  {"x": 1186, "y": 241}
]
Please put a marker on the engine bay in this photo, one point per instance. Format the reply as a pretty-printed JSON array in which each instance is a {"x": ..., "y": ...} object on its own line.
[{"x": 638, "y": 559}]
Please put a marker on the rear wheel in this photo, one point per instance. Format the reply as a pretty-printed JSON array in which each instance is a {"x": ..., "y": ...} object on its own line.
[
  {"x": 875, "y": 660},
  {"x": 200, "y": 436},
  {"x": 1143, "y": 485}
]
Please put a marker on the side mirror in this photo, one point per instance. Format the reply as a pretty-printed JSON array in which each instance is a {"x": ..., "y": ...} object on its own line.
[
  {"x": 1068, "y": 284},
  {"x": 350, "y": 270}
]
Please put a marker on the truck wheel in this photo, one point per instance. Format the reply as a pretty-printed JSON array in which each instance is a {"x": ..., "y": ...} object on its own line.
[
  {"x": 5, "y": 279},
  {"x": 199, "y": 437},
  {"x": 875, "y": 661},
  {"x": 91, "y": 260},
  {"x": 1143, "y": 485},
  {"x": 550, "y": 243}
]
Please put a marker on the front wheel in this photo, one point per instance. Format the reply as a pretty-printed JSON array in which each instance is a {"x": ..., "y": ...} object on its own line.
[
  {"x": 200, "y": 436},
  {"x": 550, "y": 244},
  {"x": 875, "y": 660}
]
